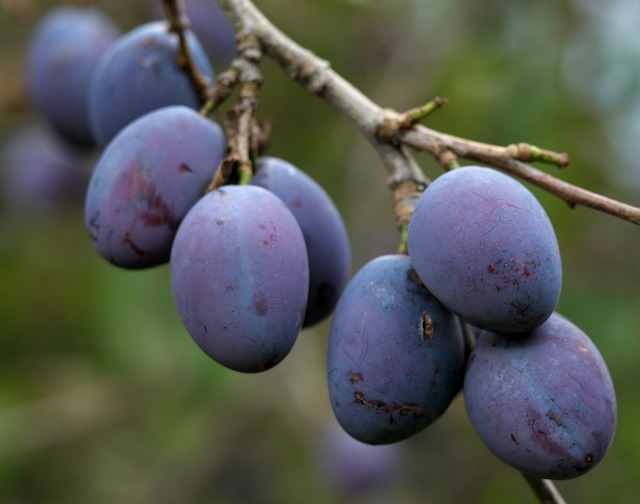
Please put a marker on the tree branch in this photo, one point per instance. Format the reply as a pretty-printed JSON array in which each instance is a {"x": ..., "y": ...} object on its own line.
[{"x": 377, "y": 124}]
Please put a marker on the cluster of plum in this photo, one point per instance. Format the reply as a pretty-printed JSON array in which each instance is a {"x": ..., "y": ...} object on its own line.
[
  {"x": 482, "y": 253},
  {"x": 251, "y": 265}
]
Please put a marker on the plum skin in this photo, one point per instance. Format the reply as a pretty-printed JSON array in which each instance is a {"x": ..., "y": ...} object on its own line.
[
  {"x": 65, "y": 51},
  {"x": 543, "y": 402},
  {"x": 395, "y": 355},
  {"x": 240, "y": 277},
  {"x": 146, "y": 181},
  {"x": 324, "y": 232},
  {"x": 484, "y": 246},
  {"x": 140, "y": 73}
]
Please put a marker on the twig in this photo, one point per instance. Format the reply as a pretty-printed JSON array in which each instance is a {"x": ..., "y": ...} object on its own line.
[
  {"x": 316, "y": 75},
  {"x": 545, "y": 490},
  {"x": 179, "y": 24},
  {"x": 245, "y": 134}
]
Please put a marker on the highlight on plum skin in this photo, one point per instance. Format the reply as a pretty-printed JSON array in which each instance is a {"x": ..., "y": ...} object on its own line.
[
  {"x": 240, "y": 277},
  {"x": 146, "y": 181},
  {"x": 395, "y": 354},
  {"x": 139, "y": 74},
  {"x": 325, "y": 234},
  {"x": 484, "y": 246},
  {"x": 542, "y": 402}
]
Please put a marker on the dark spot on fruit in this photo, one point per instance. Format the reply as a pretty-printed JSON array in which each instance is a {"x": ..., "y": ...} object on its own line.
[
  {"x": 220, "y": 222},
  {"x": 521, "y": 309},
  {"x": 514, "y": 438},
  {"x": 355, "y": 377},
  {"x": 260, "y": 304},
  {"x": 296, "y": 203},
  {"x": 183, "y": 168},
  {"x": 436, "y": 370},
  {"x": 589, "y": 458},
  {"x": 158, "y": 213},
  {"x": 491, "y": 268},
  {"x": 138, "y": 188}
]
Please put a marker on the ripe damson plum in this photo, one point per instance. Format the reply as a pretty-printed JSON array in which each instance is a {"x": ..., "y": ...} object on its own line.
[
  {"x": 484, "y": 246},
  {"x": 140, "y": 73},
  {"x": 240, "y": 277},
  {"x": 40, "y": 171},
  {"x": 352, "y": 467},
  {"x": 146, "y": 181},
  {"x": 396, "y": 355},
  {"x": 324, "y": 232},
  {"x": 65, "y": 50},
  {"x": 543, "y": 402}
]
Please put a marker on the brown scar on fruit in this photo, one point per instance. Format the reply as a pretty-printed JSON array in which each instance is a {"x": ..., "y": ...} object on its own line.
[
  {"x": 355, "y": 377},
  {"x": 427, "y": 326},
  {"x": 551, "y": 416},
  {"x": 359, "y": 398},
  {"x": 491, "y": 268},
  {"x": 183, "y": 168}
]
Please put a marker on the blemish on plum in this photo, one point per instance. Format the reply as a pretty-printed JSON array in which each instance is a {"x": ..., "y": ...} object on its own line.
[
  {"x": 403, "y": 409},
  {"x": 260, "y": 304},
  {"x": 356, "y": 377},
  {"x": 514, "y": 438},
  {"x": 553, "y": 417},
  {"x": 184, "y": 168},
  {"x": 427, "y": 326},
  {"x": 159, "y": 213},
  {"x": 134, "y": 247},
  {"x": 296, "y": 202}
]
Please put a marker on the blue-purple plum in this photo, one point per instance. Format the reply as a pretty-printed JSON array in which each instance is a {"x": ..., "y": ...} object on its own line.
[
  {"x": 352, "y": 467},
  {"x": 324, "y": 232},
  {"x": 140, "y": 73},
  {"x": 146, "y": 181},
  {"x": 240, "y": 277},
  {"x": 395, "y": 355},
  {"x": 40, "y": 170},
  {"x": 484, "y": 246},
  {"x": 543, "y": 402},
  {"x": 65, "y": 50}
]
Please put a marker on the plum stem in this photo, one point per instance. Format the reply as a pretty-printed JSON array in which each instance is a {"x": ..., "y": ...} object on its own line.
[{"x": 174, "y": 11}]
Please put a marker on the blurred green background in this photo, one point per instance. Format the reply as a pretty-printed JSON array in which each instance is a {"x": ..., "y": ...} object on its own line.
[{"x": 104, "y": 398}]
